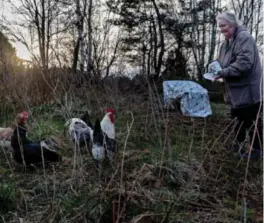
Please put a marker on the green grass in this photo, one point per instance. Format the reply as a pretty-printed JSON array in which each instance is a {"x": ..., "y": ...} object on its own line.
[
  {"x": 45, "y": 127},
  {"x": 221, "y": 110},
  {"x": 7, "y": 197},
  {"x": 195, "y": 177}
]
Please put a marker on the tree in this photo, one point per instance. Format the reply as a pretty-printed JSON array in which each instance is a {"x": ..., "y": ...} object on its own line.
[
  {"x": 39, "y": 18},
  {"x": 143, "y": 39},
  {"x": 251, "y": 15},
  {"x": 8, "y": 58},
  {"x": 203, "y": 33},
  {"x": 90, "y": 39},
  {"x": 194, "y": 28},
  {"x": 80, "y": 14},
  {"x": 98, "y": 46}
]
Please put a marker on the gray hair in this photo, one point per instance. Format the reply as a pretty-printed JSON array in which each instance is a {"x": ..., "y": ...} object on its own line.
[{"x": 230, "y": 17}]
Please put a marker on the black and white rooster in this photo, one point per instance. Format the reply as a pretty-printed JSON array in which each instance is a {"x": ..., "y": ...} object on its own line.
[
  {"x": 104, "y": 143},
  {"x": 80, "y": 130}
]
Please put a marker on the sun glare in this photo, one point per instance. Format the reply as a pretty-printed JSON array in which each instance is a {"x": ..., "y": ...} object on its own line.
[{"x": 22, "y": 51}]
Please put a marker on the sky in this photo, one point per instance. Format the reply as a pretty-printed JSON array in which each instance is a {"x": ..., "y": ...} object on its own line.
[
  {"x": 22, "y": 51},
  {"x": 5, "y": 12}
]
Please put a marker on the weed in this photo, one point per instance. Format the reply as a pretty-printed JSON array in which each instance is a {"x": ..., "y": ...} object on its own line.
[{"x": 7, "y": 197}]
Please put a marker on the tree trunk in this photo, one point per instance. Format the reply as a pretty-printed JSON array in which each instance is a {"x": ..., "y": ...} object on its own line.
[
  {"x": 202, "y": 57},
  {"x": 252, "y": 16},
  {"x": 258, "y": 20},
  {"x": 79, "y": 25},
  {"x": 161, "y": 36},
  {"x": 48, "y": 36},
  {"x": 144, "y": 49},
  {"x": 149, "y": 52},
  {"x": 75, "y": 56},
  {"x": 43, "y": 35},
  {"x": 90, "y": 40},
  {"x": 155, "y": 45},
  {"x": 213, "y": 33},
  {"x": 193, "y": 38}
]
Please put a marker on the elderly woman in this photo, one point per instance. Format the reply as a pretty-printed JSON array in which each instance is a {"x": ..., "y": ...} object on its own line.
[{"x": 242, "y": 73}]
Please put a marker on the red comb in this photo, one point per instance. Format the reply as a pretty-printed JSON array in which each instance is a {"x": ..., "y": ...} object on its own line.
[
  {"x": 111, "y": 110},
  {"x": 25, "y": 114}
]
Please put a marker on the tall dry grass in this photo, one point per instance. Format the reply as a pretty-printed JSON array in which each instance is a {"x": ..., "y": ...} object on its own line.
[{"x": 169, "y": 168}]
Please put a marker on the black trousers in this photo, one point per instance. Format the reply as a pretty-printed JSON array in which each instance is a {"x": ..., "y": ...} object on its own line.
[{"x": 247, "y": 118}]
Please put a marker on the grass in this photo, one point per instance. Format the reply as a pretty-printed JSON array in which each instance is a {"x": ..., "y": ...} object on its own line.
[
  {"x": 174, "y": 170},
  {"x": 220, "y": 110},
  {"x": 7, "y": 197},
  {"x": 46, "y": 127}
]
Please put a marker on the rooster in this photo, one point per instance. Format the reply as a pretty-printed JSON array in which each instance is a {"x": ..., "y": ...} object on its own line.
[
  {"x": 28, "y": 152},
  {"x": 80, "y": 130},
  {"x": 107, "y": 123},
  {"x": 104, "y": 143}
]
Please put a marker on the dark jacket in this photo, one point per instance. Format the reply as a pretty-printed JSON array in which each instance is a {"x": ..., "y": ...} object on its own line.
[{"x": 241, "y": 69}]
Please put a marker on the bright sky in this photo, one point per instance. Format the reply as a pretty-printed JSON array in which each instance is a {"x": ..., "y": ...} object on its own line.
[
  {"x": 5, "y": 12},
  {"x": 22, "y": 51}
]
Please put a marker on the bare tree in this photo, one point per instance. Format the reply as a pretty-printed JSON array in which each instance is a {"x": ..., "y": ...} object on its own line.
[
  {"x": 214, "y": 5},
  {"x": 250, "y": 13},
  {"x": 38, "y": 17},
  {"x": 80, "y": 42},
  {"x": 161, "y": 40},
  {"x": 105, "y": 42},
  {"x": 90, "y": 39}
]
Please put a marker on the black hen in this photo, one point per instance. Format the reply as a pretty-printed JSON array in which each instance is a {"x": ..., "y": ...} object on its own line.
[{"x": 31, "y": 152}]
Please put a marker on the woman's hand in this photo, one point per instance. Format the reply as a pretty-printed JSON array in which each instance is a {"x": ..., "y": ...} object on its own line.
[
  {"x": 214, "y": 67},
  {"x": 218, "y": 76},
  {"x": 211, "y": 68}
]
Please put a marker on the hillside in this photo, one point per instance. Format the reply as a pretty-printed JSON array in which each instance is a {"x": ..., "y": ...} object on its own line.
[{"x": 169, "y": 168}]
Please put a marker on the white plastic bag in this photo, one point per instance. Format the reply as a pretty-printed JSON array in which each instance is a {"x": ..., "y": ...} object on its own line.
[
  {"x": 214, "y": 67},
  {"x": 213, "y": 70}
]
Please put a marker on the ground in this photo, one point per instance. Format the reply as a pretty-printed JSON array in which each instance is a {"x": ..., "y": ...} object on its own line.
[{"x": 169, "y": 168}]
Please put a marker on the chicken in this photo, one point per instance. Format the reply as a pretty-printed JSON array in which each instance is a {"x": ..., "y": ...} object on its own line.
[
  {"x": 80, "y": 130},
  {"x": 107, "y": 123},
  {"x": 86, "y": 118},
  {"x": 6, "y": 133},
  {"x": 50, "y": 144},
  {"x": 98, "y": 150},
  {"x": 27, "y": 152},
  {"x": 5, "y": 137},
  {"x": 104, "y": 143}
]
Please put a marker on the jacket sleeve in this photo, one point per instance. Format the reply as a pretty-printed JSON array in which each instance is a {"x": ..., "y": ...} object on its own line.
[
  {"x": 220, "y": 52},
  {"x": 244, "y": 53}
]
